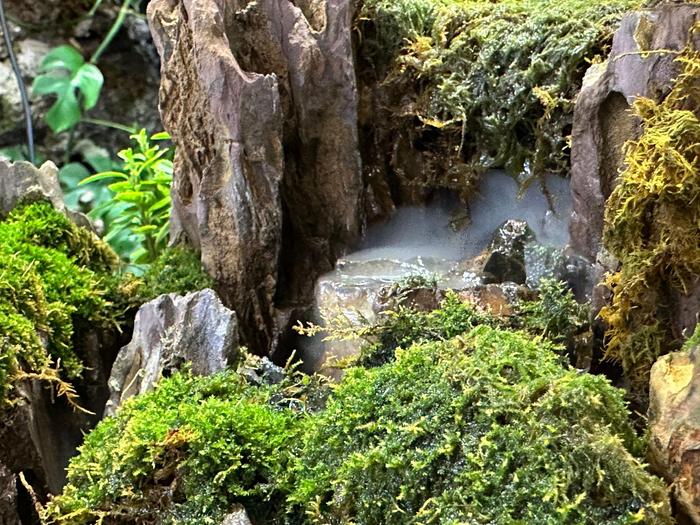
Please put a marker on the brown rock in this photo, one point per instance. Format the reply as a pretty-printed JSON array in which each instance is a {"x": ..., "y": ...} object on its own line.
[
  {"x": 638, "y": 66},
  {"x": 261, "y": 101},
  {"x": 674, "y": 420}
]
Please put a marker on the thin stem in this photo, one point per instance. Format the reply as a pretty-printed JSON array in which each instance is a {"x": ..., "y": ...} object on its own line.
[
  {"x": 116, "y": 26},
  {"x": 20, "y": 83},
  {"x": 110, "y": 124}
]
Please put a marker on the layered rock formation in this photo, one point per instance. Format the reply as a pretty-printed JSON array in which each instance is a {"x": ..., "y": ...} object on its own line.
[
  {"x": 674, "y": 420},
  {"x": 261, "y": 101},
  {"x": 168, "y": 332}
]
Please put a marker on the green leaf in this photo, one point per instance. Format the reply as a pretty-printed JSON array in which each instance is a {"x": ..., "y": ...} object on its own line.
[
  {"x": 89, "y": 80},
  {"x": 162, "y": 203},
  {"x": 131, "y": 196},
  {"x": 46, "y": 84},
  {"x": 103, "y": 176},
  {"x": 163, "y": 135},
  {"x": 145, "y": 229},
  {"x": 62, "y": 57},
  {"x": 65, "y": 113}
]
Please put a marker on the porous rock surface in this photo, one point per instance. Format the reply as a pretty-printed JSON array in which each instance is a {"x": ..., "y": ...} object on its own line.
[
  {"x": 674, "y": 421},
  {"x": 169, "y": 331},
  {"x": 22, "y": 181},
  {"x": 261, "y": 100}
]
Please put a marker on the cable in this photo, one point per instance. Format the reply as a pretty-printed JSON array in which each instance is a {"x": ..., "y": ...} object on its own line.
[{"x": 20, "y": 83}]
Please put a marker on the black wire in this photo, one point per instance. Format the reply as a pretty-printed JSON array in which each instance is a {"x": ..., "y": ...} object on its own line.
[{"x": 20, "y": 83}]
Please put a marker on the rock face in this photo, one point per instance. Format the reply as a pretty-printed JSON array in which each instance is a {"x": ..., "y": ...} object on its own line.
[
  {"x": 238, "y": 517},
  {"x": 168, "y": 332},
  {"x": 8, "y": 497},
  {"x": 674, "y": 419},
  {"x": 260, "y": 98},
  {"x": 602, "y": 121},
  {"x": 22, "y": 181}
]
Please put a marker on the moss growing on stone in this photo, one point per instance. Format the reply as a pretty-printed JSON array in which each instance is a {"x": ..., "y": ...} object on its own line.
[
  {"x": 652, "y": 225},
  {"x": 51, "y": 272},
  {"x": 498, "y": 77},
  {"x": 182, "y": 454},
  {"x": 487, "y": 427},
  {"x": 176, "y": 270}
]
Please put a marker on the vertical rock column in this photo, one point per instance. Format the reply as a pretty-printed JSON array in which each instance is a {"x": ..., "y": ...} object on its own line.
[{"x": 260, "y": 99}]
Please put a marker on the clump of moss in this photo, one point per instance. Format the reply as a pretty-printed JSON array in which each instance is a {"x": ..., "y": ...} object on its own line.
[
  {"x": 176, "y": 270},
  {"x": 556, "y": 314},
  {"x": 499, "y": 76},
  {"x": 652, "y": 225},
  {"x": 182, "y": 454},
  {"x": 486, "y": 428},
  {"x": 51, "y": 273}
]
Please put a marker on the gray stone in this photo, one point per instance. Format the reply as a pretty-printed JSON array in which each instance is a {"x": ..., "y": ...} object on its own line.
[
  {"x": 638, "y": 66},
  {"x": 22, "y": 181},
  {"x": 238, "y": 517},
  {"x": 674, "y": 423},
  {"x": 169, "y": 331},
  {"x": 261, "y": 101}
]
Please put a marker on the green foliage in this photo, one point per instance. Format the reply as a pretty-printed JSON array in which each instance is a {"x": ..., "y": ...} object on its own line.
[
  {"x": 141, "y": 196},
  {"x": 486, "y": 428},
  {"x": 182, "y": 455},
  {"x": 176, "y": 270},
  {"x": 75, "y": 83},
  {"x": 500, "y": 76},
  {"x": 652, "y": 225},
  {"x": 556, "y": 314},
  {"x": 51, "y": 273}
]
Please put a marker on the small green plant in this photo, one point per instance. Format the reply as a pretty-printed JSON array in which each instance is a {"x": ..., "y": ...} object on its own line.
[
  {"x": 555, "y": 315},
  {"x": 76, "y": 84},
  {"x": 141, "y": 195}
]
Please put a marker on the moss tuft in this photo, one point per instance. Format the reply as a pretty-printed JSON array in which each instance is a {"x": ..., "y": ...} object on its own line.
[
  {"x": 51, "y": 273},
  {"x": 498, "y": 77},
  {"x": 652, "y": 225}
]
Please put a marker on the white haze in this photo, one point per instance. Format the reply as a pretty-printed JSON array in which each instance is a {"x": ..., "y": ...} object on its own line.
[{"x": 427, "y": 232}]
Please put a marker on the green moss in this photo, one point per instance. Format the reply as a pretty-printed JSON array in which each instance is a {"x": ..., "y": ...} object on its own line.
[
  {"x": 176, "y": 270},
  {"x": 51, "y": 272},
  {"x": 499, "y": 77},
  {"x": 486, "y": 428},
  {"x": 556, "y": 314},
  {"x": 652, "y": 226},
  {"x": 182, "y": 454}
]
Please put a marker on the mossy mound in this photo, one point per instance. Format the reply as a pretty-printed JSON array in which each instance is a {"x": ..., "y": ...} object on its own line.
[
  {"x": 182, "y": 455},
  {"x": 487, "y": 427},
  {"x": 51, "y": 273},
  {"x": 497, "y": 77},
  {"x": 652, "y": 225}
]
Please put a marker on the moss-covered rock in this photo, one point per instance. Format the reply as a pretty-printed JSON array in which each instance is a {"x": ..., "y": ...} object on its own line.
[
  {"x": 51, "y": 273},
  {"x": 652, "y": 225},
  {"x": 495, "y": 79},
  {"x": 487, "y": 427}
]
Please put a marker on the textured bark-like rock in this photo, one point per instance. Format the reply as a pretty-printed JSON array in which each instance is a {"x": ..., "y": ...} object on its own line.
[
  {"x": 260, "y": 99},
  {"x": 638, "y": 66},
  {"x": 169, "y": 331},
  {"x": 674, "y": 421}
]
